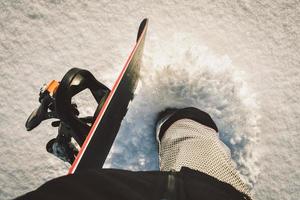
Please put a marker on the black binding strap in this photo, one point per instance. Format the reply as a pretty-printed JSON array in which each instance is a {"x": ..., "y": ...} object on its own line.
[{"x": 75, "y": 81}]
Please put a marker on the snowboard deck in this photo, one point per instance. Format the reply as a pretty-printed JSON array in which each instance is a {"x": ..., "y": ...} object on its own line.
[{"x": 101, "y": 136}]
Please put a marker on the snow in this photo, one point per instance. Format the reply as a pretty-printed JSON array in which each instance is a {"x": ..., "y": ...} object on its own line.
[{"x": 237, "y": 60}]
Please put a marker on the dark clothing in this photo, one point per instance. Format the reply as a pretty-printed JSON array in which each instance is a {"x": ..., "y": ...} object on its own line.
[{"x": 127, "y": 185}]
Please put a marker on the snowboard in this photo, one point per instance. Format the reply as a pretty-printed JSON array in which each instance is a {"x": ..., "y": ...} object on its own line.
[{"x": 97, "y": 144}]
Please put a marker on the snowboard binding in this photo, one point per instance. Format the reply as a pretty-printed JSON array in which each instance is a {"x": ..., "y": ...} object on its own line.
[{"x": 56, "y": 102}]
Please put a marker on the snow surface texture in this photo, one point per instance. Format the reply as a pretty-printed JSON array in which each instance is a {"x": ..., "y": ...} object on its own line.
[{"x": 237, "y": 60}]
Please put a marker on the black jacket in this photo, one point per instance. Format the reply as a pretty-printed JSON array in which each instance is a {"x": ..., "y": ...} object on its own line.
[{"x": 120, "y": 185}]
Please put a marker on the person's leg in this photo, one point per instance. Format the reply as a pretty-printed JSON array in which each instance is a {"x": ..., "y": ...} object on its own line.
[{"x": 189, "y": 138}]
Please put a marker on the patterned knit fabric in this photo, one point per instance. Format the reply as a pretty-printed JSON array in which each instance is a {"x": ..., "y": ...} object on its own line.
[{"x": 193, "y": 145}]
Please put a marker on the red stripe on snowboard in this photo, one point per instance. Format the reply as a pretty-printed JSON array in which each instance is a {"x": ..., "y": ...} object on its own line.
[{"x": 102, "y": 111}]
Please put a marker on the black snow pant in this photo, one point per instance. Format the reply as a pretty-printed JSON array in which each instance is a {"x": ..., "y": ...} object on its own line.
[{"x": 103, "y": 184}]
